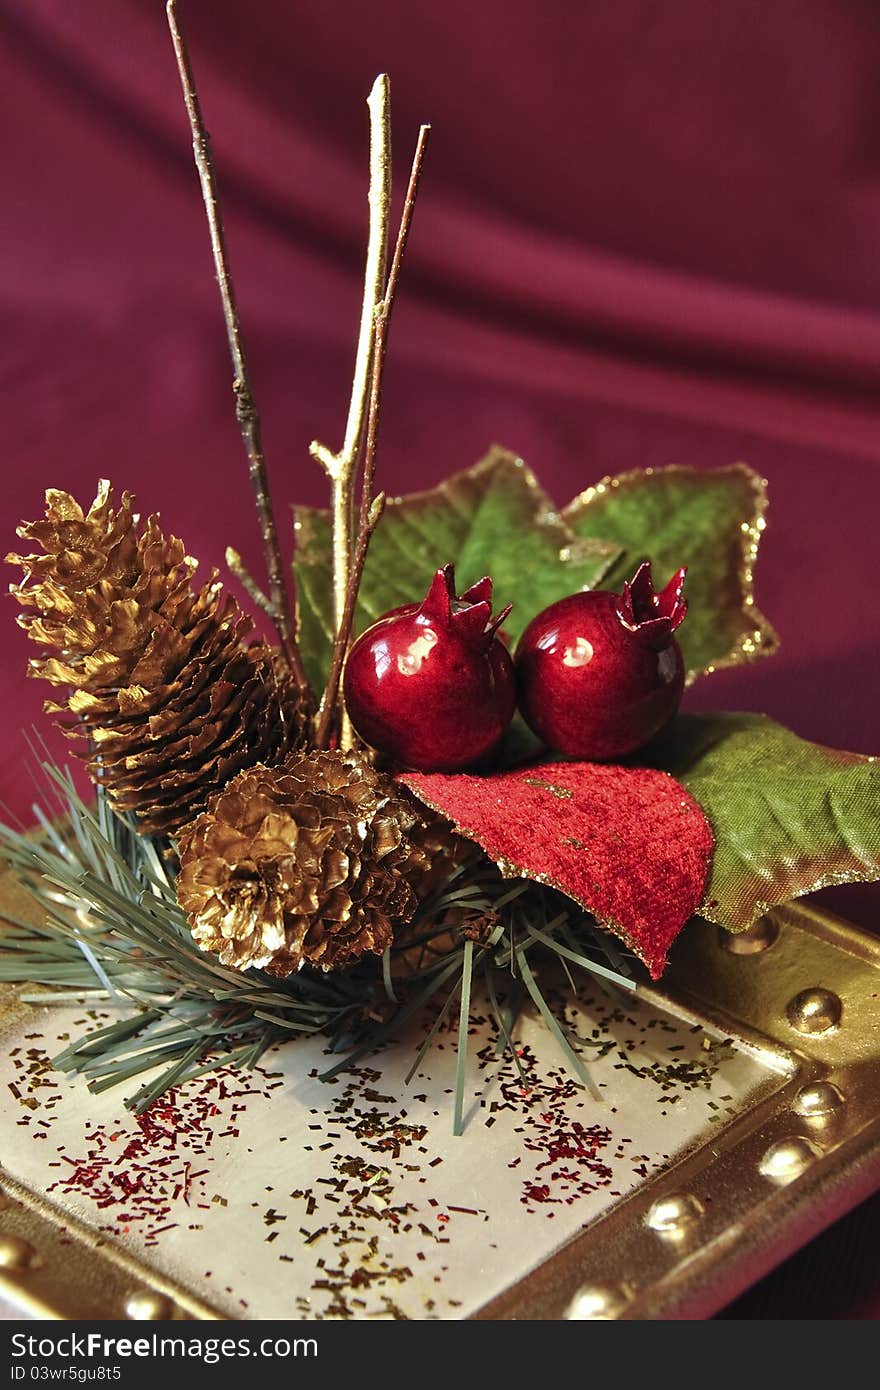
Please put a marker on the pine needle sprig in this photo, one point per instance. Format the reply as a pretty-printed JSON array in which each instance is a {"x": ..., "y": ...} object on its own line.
[{"x": 112, "y": 934}]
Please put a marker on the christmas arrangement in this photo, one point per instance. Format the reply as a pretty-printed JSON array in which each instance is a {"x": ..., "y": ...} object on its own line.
[{"x": 460, "y": 757}]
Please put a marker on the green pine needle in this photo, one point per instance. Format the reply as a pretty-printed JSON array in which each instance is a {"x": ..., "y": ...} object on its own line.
[
  {"x": 432, "y": 1032},
  {"x": 549, "y": 1018},
  {"x": 111, "y": 933},
  {"x": 463, "y": 1025},
  {"x": 507, "y": 1024},
  {"x": 566, "y": 953}
]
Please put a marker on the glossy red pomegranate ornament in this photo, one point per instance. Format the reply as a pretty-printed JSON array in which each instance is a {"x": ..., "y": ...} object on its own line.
[
  {"x": 599, "y": 673},
  {"x": 430, "y": 684}
]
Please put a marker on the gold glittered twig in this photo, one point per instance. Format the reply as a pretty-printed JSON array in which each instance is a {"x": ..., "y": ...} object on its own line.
[
  {"x": 237, "y": 567},
  {"x": 280, "y": 608},
  {"x": 340, "y": 467},
  {"x": 371, "y": 507}
]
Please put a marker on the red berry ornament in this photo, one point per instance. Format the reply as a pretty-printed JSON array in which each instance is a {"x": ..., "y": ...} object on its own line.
[
  {"x": 599, "y": 673},
  {"x": 430, "y": 684}
]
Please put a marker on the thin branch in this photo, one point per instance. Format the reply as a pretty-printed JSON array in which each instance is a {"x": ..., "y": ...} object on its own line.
[
  {"x": 371, "y": 508},
  {"x": 237, "y": 567},
  {"x": 380, "y": 347},
  {"x": 245, "y": 405},
  {"x": 340, "y": 467}
]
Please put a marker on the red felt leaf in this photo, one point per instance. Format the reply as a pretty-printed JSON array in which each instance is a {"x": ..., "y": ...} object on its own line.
[{"x": 627, "y": 843}]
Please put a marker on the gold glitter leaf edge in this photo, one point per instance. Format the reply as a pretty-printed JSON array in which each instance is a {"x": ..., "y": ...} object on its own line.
[
  {"x": 790, "y": 817},
  {"x": 759, "y": 638},
  {"x": 484, "y": 518}
]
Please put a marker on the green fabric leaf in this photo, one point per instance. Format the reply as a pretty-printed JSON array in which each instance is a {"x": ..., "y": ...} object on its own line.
[
  {"x": 490, "y": 519},
  {"x": 789, "y": 816},
  {"x": 709, "y": 521}
]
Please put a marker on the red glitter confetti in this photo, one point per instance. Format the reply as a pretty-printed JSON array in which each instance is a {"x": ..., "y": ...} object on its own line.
[{"x": 142, "y": 1184}]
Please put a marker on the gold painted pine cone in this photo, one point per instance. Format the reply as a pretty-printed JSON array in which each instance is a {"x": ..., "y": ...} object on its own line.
[
  {"x": 309, "y": 862},
  {"x": 169, "y": 702}
]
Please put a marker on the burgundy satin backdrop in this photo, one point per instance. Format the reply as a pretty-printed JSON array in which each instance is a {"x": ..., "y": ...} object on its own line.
[{"x": 648, "y": 233}]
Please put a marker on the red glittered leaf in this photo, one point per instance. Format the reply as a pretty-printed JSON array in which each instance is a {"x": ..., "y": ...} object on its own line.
[{"x": 627, "y": 843}]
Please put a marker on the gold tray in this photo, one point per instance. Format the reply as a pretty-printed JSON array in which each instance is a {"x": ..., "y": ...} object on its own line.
[{"x": 708, "y": 1163}]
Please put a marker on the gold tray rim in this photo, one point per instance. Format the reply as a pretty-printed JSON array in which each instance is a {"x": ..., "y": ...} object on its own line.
[{"x": 689, "y": 1239}]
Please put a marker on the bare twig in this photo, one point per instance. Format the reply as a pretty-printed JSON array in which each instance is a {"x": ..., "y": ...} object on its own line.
[
  {"x": 371, "y": 508},
  {"x": 245, "y": 406}
]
